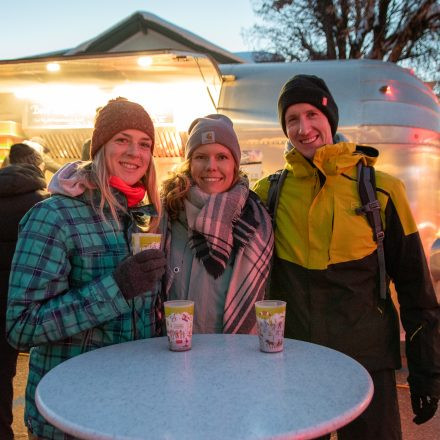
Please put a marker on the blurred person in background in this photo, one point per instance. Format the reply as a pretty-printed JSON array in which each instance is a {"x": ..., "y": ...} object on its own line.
[
  {"x": 50, "y": 163},
  {"x": 434, "y": 264},
  {"x": 38, "y": 144},
  {"x": 85, "y": 150},
  {"x": 75, "y": 285},
  {"x": 22, "y": 185}
]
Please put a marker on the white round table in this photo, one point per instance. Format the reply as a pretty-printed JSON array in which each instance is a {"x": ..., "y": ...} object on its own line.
[{"x": 224, "y": 388}]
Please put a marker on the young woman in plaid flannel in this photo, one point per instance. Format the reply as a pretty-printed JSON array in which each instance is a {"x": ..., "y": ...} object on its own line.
[
  {"x": 218, "y": 236},
  {"x": 74, "y": 284}
]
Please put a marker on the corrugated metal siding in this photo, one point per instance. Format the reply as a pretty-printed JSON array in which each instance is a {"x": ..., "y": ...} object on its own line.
[{"x": 67, "y": 144}]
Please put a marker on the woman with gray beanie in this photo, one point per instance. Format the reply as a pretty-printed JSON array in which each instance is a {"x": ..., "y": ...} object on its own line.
[
  {"x": 75, "y": 285},
  {"x": 218, "y": 236}
]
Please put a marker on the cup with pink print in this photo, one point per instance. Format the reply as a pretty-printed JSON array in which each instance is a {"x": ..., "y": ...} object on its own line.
[{"x": 179, "y": 323}]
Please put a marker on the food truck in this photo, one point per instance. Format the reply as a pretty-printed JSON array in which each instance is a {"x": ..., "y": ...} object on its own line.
[
  {"x": 56, "y": 99},
  {"x": 380, "y": 104}
]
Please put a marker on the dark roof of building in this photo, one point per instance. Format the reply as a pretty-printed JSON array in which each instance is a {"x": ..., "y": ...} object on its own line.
[{"x": 143, "y": 22}]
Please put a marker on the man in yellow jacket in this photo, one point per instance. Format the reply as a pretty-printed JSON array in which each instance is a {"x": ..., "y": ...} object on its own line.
[{"x": 327, "y": 268}]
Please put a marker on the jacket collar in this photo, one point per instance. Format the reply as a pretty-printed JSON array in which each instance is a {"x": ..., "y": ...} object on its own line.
[
  {"x": 298, "y": 165},
  {"x": 331, "y": 160}
]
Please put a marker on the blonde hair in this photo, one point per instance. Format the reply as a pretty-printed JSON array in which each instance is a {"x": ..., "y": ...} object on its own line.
[
  {"x": 175, "y": 189},
  {"x": 96, "y": 176}
]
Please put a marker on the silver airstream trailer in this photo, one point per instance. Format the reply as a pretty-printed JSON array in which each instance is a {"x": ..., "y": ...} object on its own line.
[{"x": 380, "y": 104}]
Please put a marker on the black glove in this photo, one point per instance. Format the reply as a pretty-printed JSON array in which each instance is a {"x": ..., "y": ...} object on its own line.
[
  {"x": 139, "y": 273},
  {"x": 424, "y": 408}
]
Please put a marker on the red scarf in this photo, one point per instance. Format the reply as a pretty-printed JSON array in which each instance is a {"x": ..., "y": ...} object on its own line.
[{"x": 133, "y": 193}]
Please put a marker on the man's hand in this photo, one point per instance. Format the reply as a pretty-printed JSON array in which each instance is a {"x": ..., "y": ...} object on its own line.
[{"x": 424, "y": 408}]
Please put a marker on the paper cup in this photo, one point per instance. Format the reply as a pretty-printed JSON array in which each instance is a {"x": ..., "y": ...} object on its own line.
[
  {"x": 271, "y": 316},
  {"x": 145, "y": 240},
  {"x": 179, "y": 322}
]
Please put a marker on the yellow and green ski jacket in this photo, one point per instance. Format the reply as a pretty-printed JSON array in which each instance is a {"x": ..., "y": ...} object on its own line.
[{"x": 326, "y": 266}]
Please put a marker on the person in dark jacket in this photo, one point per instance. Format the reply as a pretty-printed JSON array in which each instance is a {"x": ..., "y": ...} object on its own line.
[
  {"x": 22, "y": 185},
  {"x": 327, "y": 268}
]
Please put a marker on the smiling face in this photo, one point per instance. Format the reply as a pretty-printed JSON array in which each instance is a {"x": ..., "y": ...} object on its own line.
[
  {"x": 213, "y": 168},
  {"x": 128, "y": 154},
  {"x": 307, "y": 128}
]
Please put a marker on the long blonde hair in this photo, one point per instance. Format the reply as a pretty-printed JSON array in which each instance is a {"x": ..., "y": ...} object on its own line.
[
  {"x": 96, "y": 176},
  {"x": 175, "y": 189}
]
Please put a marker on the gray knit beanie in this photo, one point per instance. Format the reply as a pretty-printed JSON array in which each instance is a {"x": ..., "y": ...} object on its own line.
[
  {"x": 213, "y": 129},
  {"x": 312, "y": 90}
]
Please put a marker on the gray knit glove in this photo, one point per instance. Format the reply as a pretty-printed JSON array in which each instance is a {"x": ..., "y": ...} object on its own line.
[{"x": 139, "y": 273}]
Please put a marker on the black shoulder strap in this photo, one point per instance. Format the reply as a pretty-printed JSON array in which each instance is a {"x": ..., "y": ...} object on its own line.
[
  {"x": 366, "y": 182},
  {"x": 273, "y": 195}
]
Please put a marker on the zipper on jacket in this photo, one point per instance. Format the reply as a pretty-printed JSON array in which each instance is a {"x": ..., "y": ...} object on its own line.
[
  {"x": 317, "y": 184},
  {"x": 133, "y": 320},
  {"x": 129, "y": 225},
  {"x": 412, "y": 336}
]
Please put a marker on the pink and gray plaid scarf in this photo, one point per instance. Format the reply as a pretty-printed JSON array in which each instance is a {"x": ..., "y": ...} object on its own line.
[{"x": 234, "y": 221}]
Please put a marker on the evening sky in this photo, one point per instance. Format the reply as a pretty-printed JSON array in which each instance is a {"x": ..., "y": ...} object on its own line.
[{"x": 31, "y": 27}]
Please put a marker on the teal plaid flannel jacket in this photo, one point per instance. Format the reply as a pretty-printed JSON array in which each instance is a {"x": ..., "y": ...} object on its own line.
[{"x": 63, "y": 299}]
